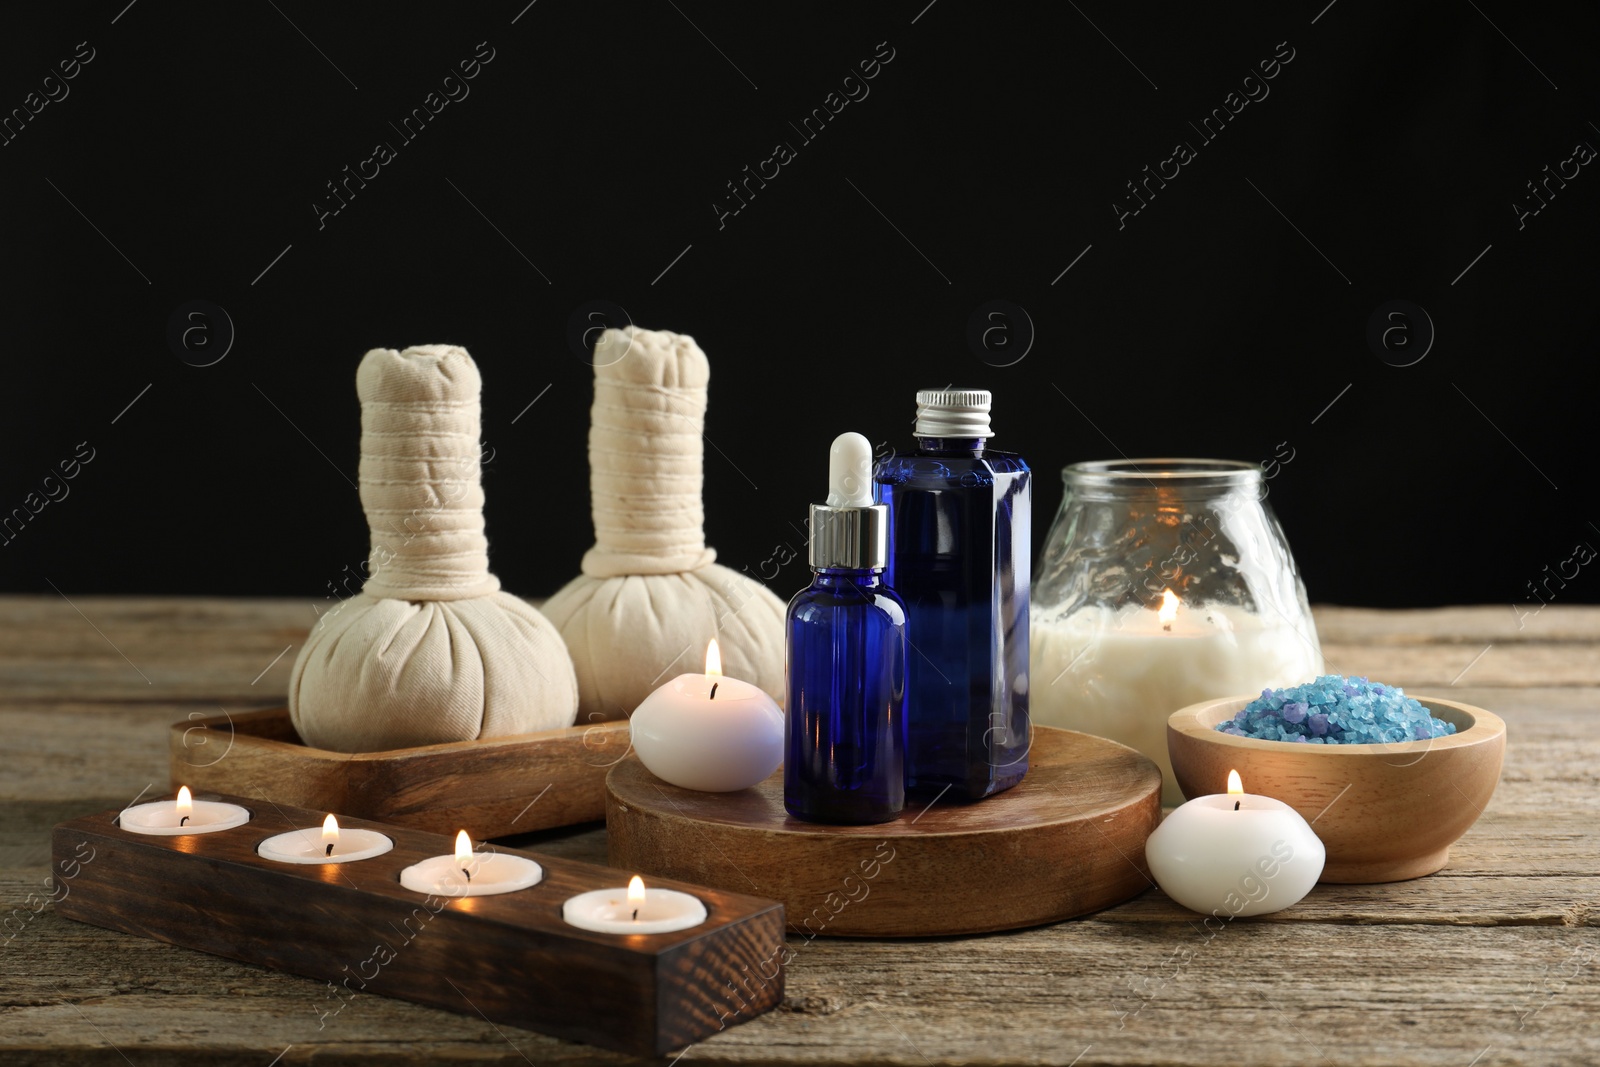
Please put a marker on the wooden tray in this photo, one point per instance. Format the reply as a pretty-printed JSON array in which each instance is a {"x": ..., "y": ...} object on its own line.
[
  {"x": 490, "y": 788},
  {"x": 1068, "y": 841}
]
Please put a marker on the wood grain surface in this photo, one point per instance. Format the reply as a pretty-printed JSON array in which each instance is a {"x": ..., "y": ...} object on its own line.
[
  {"x": 492, "y": 787},
  {"x": 1493, "y": 960},
  {"x": 1067, "y": 841}
]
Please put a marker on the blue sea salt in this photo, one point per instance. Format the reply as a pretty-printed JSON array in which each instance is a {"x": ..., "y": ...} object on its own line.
[{"x": 1336, "y": 711}]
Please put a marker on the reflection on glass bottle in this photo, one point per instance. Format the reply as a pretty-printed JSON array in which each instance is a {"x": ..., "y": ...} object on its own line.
[
  {"x": 845, "y": 757},
  {"x": 959, "y": 557}
]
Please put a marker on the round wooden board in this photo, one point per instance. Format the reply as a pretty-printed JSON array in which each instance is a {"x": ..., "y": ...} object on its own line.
[{"x": 1067, "y": 841}]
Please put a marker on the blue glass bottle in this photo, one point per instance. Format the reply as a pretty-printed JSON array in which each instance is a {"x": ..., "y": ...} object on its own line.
[
  {"x": 959, "y": 525},
  {"x": 846, "y": 660}
]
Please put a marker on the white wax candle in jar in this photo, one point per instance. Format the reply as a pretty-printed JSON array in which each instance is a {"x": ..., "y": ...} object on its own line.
[
  {"x": 182, "y": 815},
  {"x": 329, "y": 845},
  {"x": 471, "y": 874},
  {"x": 1122, "y": 676},
  {"x": 709, "y": 732},
  {"x": 1235, "y": 854},
  {"x": 634, "y": 910}
]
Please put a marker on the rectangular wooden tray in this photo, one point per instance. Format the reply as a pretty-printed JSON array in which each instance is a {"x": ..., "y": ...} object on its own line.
[
  {"x": 510, "y": 958},
  {"x": 491, "y": 788}
]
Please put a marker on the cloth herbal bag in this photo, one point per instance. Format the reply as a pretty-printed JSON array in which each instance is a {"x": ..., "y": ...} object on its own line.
[
  {"x": 430, "y": 650},
  {"x": 650, "y": 598}
]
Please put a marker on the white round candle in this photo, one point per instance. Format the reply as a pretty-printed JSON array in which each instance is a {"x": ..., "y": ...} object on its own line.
[
  {"x": 1235, "y": 854},
  {"x": 471, "y": 874},
  {"x": 183, "y": 815},
  {"x": 634, "y": 910},
  {"x": 1122, "y": 677},
  {"x": 708, "y": 732},
  {"x": 325, "y": 844}
]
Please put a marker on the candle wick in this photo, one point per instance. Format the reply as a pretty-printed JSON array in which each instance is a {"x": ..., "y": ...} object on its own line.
[
  {"x": 183, "y": 820},
  {"x": 329, "y": 850},
  {"x": 714, "y": 690},
  {"x": 467, "y": 873},
  {"x": 635, "y": 914},
  {"x": 1168, "y": 627},
  {"x": 1235, "y": 805}
]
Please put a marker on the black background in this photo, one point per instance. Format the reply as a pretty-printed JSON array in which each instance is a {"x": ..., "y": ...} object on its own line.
[{"x": 1220, "y": 321}]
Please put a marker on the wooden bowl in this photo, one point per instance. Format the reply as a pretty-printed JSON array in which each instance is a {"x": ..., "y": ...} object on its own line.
[{"x": 1386, "y": 812}]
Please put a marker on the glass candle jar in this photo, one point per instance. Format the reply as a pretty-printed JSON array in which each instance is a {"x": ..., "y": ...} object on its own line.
[{"x": 1164, "y": 582}]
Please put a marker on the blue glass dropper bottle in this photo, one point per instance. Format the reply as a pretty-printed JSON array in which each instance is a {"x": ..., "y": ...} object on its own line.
[{"x": 846, "y": 659}]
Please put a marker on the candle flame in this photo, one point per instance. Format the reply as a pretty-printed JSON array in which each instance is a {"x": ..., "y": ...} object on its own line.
[
  {"x": 185, "y": 802},
  {"x": 463, "y": 847},
  {"x": 636, "y": 891},
  {"x": 330, "y": 833},
  {"x": 1169, "y": 607},
  {"x": 1235, "y": 786},
  {"x": 713, "y": 659}
]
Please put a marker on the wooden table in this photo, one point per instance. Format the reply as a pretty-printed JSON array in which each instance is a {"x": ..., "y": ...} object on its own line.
[{"x": 1491, "y": 961}]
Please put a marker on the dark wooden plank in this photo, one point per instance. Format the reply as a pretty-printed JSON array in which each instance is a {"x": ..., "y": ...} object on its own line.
[{"x": 508, "y": 957}]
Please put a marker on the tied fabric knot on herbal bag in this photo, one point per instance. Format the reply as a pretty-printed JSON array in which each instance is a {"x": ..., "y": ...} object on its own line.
[
  {"x": 651, "y": 596},
  {"x": 431, "y": 650}
]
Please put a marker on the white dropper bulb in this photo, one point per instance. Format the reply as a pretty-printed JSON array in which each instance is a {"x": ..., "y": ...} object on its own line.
[{"x": 850, "y": 472}]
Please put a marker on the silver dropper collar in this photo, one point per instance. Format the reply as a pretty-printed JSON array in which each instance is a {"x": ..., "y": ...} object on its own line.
[{"x": 849, "y": 538}]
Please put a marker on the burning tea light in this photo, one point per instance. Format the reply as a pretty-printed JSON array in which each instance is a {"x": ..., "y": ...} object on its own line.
[
  {"x": 184, "y": 815},
  {"x": 328, "y": 845},
  {"x": 634, "y": 910},
  {"x": 471, "y": 874},
  {"x": 1232, "y": 854},
  {"x": 709, "y": 732}
]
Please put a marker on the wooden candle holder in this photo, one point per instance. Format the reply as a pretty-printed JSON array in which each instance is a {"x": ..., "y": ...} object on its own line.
[{"x": 509, "y": 958}]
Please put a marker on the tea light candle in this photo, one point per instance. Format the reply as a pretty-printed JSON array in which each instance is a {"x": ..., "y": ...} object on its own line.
[
  {"x": 709, "y": 732},
  {"x": 634, "y": 910},
  {"x": 471, "y": 874},
  {"x": 1235, "y": 854},
  {"x": 184, "y": 815},
  {"x": 330, "y": 845}
]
